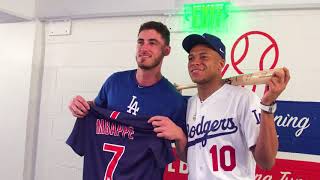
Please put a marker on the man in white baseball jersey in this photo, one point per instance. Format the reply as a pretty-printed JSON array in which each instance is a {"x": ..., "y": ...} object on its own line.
[{"x": 229, "y": 128}]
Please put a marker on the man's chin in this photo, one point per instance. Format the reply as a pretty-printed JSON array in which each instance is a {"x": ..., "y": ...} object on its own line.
[
  {"x": 145, "y": 67},
  {"x": 198, "y": 81}
]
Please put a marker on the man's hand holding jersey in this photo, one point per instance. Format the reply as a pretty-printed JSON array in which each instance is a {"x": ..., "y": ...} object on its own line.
[{"x": 79, "y": 107}]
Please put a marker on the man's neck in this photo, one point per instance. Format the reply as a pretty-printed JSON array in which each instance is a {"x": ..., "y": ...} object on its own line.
[
  {"x": 205, "y": 90},
  {"x": 148, "y": 77}
]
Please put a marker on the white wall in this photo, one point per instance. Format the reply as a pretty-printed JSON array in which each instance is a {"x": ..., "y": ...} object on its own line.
[
  {"x": 79, "y": 63},
  {"x": 20, "y": 8},
  {"x": 98, "y": 8},
  {"x": 16, "y": 55}
]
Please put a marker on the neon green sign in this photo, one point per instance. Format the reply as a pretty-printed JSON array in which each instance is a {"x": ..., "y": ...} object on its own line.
[{"x": 206, "y": 17}]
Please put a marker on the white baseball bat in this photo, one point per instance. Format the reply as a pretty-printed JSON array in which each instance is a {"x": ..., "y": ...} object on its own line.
[{"x": 256, "y": 78}]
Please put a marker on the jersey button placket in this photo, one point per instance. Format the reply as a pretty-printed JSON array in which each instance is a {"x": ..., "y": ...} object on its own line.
[{"x": 202, "y": 149}]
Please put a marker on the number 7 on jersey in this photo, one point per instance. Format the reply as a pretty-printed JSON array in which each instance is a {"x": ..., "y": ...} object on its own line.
[{"x": 112, "y": 165}]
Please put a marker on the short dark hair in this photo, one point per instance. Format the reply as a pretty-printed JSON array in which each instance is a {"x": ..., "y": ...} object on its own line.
[{"x": 159, "y": 27}]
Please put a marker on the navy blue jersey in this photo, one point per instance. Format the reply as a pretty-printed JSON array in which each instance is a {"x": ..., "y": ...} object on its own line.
[
  {"x": 122, "y": 92},
  {"x": 119, "y": 146}
]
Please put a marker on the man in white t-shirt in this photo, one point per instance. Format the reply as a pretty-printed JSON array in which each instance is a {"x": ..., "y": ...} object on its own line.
[{"x": 230, "y": 128}]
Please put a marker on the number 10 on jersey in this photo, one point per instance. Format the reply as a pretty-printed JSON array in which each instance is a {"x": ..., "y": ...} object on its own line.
[{"x": 219, "y": 158}]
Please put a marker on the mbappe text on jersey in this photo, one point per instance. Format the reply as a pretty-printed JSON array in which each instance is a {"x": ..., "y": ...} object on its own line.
[{"x": 105, "y": 127}]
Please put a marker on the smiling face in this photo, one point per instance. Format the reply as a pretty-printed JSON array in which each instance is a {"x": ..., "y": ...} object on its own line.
[
  {"x": 204, "y": 64},
  {"x": 151, "y": 48}
]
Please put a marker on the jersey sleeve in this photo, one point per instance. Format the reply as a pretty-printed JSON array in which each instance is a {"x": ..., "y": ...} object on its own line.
[
  {"x": 76, "y": 140},
  {"x": 180, "y": 115},
  {"x": 102, "y": 99},
  {"x": 250, "y": 119}
]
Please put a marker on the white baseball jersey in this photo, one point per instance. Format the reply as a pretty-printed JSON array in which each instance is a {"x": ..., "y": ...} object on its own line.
[{"x": 220, "y": 132}]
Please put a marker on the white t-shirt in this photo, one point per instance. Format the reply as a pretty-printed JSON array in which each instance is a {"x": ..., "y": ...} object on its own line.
[{"x": 221, "y": 131}]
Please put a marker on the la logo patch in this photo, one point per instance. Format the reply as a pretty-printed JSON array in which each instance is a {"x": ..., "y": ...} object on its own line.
[{"x": 133, "y": 106}]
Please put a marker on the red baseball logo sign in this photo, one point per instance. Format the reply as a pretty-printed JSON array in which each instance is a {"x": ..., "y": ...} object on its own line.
[
  {"x": 245, "y": 37},
  {"x": 263, "y": 50}
]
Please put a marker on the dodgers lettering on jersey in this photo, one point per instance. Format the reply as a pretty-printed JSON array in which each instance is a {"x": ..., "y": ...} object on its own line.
[
  {"x": 119, "y": 146},
  {"x": 210, "y": 129},
  {"x": 221, "y": 130}
]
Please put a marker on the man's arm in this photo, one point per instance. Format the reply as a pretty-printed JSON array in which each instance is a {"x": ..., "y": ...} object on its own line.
[
  {"x": 266, "y": 147},
  {"x": 166, "y": 128},
  {"x": 181, "y": 144}
]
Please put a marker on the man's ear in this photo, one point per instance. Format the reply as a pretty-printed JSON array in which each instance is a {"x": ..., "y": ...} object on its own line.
[
  {"x": 221, "y": 64},
  {"x": 167, "y": 50}
]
